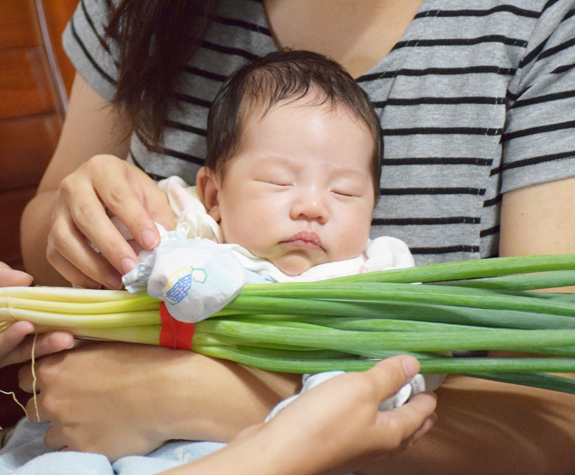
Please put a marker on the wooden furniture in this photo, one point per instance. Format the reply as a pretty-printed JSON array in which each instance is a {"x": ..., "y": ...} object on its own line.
[{"x": 35, "y": 80}]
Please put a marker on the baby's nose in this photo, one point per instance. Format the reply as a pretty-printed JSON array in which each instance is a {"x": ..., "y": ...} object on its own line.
[{"x": 311, "y": 205}]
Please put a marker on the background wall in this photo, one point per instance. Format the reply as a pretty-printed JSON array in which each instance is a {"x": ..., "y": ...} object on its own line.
[{"x": 35, "y": 80}]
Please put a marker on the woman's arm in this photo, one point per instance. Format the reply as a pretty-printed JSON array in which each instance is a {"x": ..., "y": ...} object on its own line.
[
  {"x": 539, "y": 219},
  {"x": 83, "y": 182},
  {"x": 334, "y": 428}
]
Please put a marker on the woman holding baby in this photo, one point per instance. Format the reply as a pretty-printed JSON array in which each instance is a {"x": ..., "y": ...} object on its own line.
[{"x": 476, "y": 109}]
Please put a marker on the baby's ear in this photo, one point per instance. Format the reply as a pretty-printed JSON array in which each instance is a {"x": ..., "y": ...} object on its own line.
[{"x": 208, "y": 186}]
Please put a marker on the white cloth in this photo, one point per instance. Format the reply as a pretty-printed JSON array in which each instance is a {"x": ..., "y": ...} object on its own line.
[{"x": 26, "y": 454}]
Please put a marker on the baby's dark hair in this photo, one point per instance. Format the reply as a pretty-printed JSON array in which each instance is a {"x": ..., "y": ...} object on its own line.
[{"x": 284, "y": 76}]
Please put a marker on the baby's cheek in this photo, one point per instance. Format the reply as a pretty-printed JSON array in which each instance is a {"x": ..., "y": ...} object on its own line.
[
  {"x": 248, "y": 233},
  {"x": 352, "y": 243}
]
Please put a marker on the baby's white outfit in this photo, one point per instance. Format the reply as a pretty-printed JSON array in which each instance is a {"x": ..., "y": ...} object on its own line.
[{"x": 196, "y": 275}]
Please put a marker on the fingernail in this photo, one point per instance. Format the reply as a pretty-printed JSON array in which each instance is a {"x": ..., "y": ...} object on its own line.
[
  {"x": 128, "y": 264},
  {"x": 75, "y": 342},
  {"x": 410, "y": 366},
  {"x": 149, "y": 239}
]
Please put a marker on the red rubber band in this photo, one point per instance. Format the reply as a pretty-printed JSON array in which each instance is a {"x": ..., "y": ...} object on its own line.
[{"x": 175, "y": 334}]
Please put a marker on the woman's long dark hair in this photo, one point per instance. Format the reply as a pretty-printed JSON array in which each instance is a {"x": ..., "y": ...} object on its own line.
[{"x": 155, "y": 40}]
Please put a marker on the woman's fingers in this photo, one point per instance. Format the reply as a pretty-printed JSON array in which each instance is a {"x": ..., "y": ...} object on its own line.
[
  {"x": 102, "y": 186},
  {"x": 76, "y": 277},
  {"x": 138, "y": 206},
  {"x": 423, "y": 429},
  {"x": 34, "y": 410},
  {"x": 54, "y": 438},
  {"x": 158, "y": 206},
  {"x": 10, "y": 339},
  {"x": 25, "y": 378},
  {"x": 45, "y": 345},
  {"x": 131, "y": 196},
  {"x": 49, "y": 343},
  {"x": 409, "y": 422},
  {"x": 390, "y": 375},
  {"x": 11, "y": 278},
  {"x": 16, "y": 343},
  {"x": 68, "y": 251},
  {"x": 81, "y": 218}
]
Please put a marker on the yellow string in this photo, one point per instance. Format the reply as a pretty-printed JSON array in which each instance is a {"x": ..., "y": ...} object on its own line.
[
  {"x": 15, "y": 400},
  {"x": 34, "y": 380},
  {"x": 3, "y": 326}
]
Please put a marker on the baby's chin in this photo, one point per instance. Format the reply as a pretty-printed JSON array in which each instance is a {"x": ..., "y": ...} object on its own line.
[{"x": 294, "y": 264}]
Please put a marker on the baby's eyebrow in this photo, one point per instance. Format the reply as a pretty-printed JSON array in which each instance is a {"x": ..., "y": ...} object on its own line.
[
  {"x": 344, "y": 172},
  {"x": 333, "y": 171},
  {"x": 276, "y": 160}
]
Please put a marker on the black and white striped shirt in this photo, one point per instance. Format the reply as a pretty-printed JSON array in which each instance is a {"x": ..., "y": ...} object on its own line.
[{"x": 477, "y": 99}]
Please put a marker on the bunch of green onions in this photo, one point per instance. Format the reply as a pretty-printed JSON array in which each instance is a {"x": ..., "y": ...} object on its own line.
[{"x": 350, "y": 323}]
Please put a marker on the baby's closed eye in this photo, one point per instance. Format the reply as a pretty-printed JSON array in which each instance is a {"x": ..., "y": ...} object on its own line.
[
  {"x": 344, "y": 193},
  {"x": 347, "y": 190},
  {"x": 274, "y": 179}
]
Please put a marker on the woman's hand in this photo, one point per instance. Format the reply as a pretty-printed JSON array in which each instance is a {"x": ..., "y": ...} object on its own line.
[
  {"x": 338, "y": 427},
  {"x": 13, "y": 278},
  {"x": 333, "y": 428},
  {"x": 99, "y": 400},
  {"x": 121, "y": 399},
  {"x": 14, "y": 346},
  {"x": 102, "y": 186},
  {"x": 83, "y": 184}
]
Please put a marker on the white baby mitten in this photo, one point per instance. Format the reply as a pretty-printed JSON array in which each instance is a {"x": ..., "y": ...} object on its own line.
[
  {"x": 417, "y": 384},
  {"x": 194, "y": 277}
]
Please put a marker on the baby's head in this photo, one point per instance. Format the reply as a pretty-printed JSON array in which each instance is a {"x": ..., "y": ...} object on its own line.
[{"x": 293, "y": 166}]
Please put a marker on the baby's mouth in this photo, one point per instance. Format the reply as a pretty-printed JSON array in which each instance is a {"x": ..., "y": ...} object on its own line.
[{"x": 305, "y": 239}]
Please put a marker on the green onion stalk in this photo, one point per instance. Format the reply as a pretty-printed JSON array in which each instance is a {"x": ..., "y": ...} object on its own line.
[{"x": 350, "y": 323}]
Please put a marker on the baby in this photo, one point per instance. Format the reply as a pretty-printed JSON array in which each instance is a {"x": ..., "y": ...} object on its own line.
[
  {"x": 291, "y": 179},
  {"x": 287, "y": 193}
]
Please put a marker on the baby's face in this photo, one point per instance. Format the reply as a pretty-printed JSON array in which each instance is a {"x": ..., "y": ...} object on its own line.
[{"x": 299, "y": 191}]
